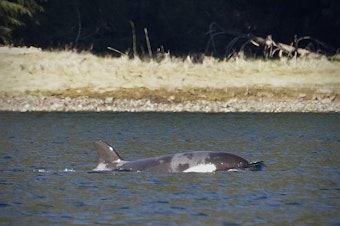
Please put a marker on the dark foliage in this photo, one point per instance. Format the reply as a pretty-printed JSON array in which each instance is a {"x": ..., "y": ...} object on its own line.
[
  {"x": 176, "y": 25},
  {"x": 13, "y": 14}
]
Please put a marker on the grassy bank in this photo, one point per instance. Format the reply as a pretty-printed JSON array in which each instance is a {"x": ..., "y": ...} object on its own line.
[{"x": 70, "y": 74}]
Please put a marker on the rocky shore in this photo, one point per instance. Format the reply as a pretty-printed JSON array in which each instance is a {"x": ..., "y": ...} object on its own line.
[{"x": 51, "y": 103}]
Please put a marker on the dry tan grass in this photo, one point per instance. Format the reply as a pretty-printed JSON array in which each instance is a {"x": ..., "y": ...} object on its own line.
[{"x": 83, "y": 74}]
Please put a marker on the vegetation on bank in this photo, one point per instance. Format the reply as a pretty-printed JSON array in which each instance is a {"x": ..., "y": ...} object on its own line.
[
  {"x": 227, "y": 45},
  {"x": 67, "y": 73}
]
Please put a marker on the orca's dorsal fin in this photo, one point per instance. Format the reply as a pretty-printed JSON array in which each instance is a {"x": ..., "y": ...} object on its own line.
[{"x": 106, "y": 153}]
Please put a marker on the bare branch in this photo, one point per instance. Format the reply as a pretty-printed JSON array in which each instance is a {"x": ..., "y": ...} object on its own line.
[
  {"x": 240, "y": 41},
  {"x": 134, "y": 42},
  {"x": 148, "y": 42}
]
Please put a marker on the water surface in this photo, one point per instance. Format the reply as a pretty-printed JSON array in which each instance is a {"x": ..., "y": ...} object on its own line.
[{"x": 46, "y": 161}]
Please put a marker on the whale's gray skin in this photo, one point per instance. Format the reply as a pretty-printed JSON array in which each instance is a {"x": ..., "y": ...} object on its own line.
[{"x": 199, "y": 161}]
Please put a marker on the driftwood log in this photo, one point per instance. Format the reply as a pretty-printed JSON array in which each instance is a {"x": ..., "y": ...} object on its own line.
[{"x": 271, "y": 48}]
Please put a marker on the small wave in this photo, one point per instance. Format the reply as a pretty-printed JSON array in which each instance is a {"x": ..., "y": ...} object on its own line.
[
  {"x": 234, "y": 170},
  {"x": 51, "y": 171},
  {"x": 257, "y": 166},
  {"x": 68, "y": 170},
  {"x": 41, "y": 170}
]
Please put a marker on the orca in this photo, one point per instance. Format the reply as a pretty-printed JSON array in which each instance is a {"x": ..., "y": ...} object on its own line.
[{"x": 198, "y": 161}]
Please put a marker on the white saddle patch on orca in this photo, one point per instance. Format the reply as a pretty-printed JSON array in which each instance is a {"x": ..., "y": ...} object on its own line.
[{"x": 201, "y": 168}]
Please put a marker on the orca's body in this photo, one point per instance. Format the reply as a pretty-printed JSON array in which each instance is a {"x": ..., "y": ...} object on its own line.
[{"x": 199, "y": 161}]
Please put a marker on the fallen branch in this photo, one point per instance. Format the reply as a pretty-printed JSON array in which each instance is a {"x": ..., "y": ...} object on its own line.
[{"x": 271, "y": 48}]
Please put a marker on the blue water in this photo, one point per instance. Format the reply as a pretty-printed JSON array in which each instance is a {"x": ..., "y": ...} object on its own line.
[{"x": 46, "y": 161}]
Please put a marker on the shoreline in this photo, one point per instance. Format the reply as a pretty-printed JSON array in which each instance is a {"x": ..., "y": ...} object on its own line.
[
  {"x": 36, "y": 80},
  {"x": 89, "y": 104}
]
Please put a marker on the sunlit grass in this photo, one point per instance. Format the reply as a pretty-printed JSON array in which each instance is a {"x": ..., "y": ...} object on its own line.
[{"x": 83, "y": 74}]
